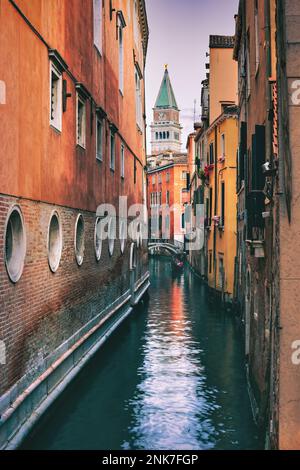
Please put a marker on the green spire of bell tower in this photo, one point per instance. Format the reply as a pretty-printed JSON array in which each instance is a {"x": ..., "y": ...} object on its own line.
[{"x": 166, "y": 98}]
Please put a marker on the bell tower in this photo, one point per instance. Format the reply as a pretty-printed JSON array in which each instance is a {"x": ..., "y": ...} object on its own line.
[{"x": 165, "y": 129}]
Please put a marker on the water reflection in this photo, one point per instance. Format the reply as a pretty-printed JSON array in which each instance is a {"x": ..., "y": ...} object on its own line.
[{"x": 171, "y": 378}]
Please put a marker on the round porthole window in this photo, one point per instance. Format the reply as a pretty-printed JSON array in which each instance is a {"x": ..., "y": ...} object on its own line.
[
  {"x": 54, "y": 242},
  {"x": 111, "y": 235},
  {"x": 79, "y": 239},
  {"x": 122, "y": 230},
  {"x": 98, "y": 239},
  {"x": 15, "y": 244}
]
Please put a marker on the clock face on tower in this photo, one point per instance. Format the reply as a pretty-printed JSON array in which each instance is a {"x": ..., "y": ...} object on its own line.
[{"x": 162, "y": 116}]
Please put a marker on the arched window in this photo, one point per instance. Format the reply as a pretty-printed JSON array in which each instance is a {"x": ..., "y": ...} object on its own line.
[
  {"x": 54, "y": 242},
  {"x": 122, "y": 234},
  {"x": 168, "y": 135},
  {"x": 79, "y": 239},
  {"x": 111, "y": 235},
  {"x": 156, "y": 135},
  {"x": 98, "y": 239},
  {"x": 160, "y": 135},
  {"x": 164, "y": 135},
  {"x": 15, "y": 244}
]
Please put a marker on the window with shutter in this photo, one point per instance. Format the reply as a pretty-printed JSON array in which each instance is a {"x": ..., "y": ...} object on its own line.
[
  {"x": 122, "y": 161},
  {"x": 222, "y": 221},
  {"x": 55, "y": 98},
  {"x": 112, "y": 151},
  {"x": 99, "y": 138},
  {"x": 97, "y": 11},
  {"x": 81, "y": 121}
]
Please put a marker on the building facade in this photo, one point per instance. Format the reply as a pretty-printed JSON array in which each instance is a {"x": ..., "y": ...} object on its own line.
[
  {"x": 267, "y": 51},
  {"x": 284, "y": 422},
  {"x": 73, "y": 137},
  {"x": 256, "y": 278},
  {"x": 220, "y": 225},
  {"x": 214, "y": 144},
  {"x": 167, "y": 198}
]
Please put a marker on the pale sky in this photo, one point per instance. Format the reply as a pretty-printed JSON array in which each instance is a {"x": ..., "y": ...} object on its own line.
[{"x": 179, "y": 36}]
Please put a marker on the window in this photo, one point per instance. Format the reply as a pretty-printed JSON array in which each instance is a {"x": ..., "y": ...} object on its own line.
[
  {"x": 167, "y": 177},
  {"x": 211, "y": 154},
  {"x": 136, "y": 21},
  {"x": 79, "y": 239},
  {"x": 159, "y": 178},
  {"x": 121, "y": 57},
  {"x": 156, "y": 135},
  {"x": 256, "y": 36},
  {"x": 168, "y": 197},
  {"x": 210, "y": 204},
  {"x": 176, "y": 135},
  {"x": 153, "y": 179},
  {"x": 15, "y": 244},
  {"x": 111, "y": 235},
  {"x": 164, "y": 135},
  {"x": 55, "y": 98},
  {"x": 99, "y": 138},
  {"x": 97, "y": 10},
  {"x": 112, "y": 151},
  {"x": 223, "y": 145},
  {"x": 210, "y": 262},
  {"x": 167, "y": 223},
  {"x": 122, "y": 153},
  {"x": 207, "y": 223},
  {"x": 184, "y": 176},
  {"x": 248, "y": 65},
  {"x": 182, "y": 220},
  {"x": 54, "y": 242},
  {"x": 81, "y": 121},
  {"x": 98, "y": 239},
  {"x": 160, "y": 135},
  {"x": 221, "y": 273},
  {"x": 138, "y": 98},
  {"x": 2, "y": 92},
  {"x": 122, "y": 234},
  {"x": 222, "y": 221},
  {"x": 168, "y": 135}
]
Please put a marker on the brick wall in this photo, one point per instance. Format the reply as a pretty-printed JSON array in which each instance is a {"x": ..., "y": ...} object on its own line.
[{"x": 43, "y": 309}]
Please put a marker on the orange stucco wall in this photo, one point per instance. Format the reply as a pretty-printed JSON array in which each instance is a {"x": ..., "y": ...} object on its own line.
[
  {"x": 36, "y": 161},
  {"x": 174, "y": 186},
  {"x": 223, "y": 80}
]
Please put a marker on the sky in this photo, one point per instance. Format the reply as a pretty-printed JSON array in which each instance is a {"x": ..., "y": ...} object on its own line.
[{"x": 179, "y": 37}]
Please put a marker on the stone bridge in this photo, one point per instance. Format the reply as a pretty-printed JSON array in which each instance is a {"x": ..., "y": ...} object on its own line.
[{"x": 158, "y": 246}]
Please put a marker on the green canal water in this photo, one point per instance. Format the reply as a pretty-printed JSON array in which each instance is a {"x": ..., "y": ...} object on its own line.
[{"x": 172, "y": 377}]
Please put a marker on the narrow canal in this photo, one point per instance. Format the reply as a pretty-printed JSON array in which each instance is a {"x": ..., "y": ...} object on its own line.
[{"x": 172, "y": 377}]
